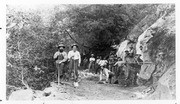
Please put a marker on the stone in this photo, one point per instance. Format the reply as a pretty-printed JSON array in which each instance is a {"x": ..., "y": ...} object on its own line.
[
  {"x": 22, "y": 95},
  {"x": 146, "y": 71}
]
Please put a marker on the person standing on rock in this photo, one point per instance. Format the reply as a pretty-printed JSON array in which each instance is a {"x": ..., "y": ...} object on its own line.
[
  {"x": 147, "y": 68},
  {"x": 160, "y": 67},
  {"x": 61, "y": 57},
  {"x": 75, "y": 61}
]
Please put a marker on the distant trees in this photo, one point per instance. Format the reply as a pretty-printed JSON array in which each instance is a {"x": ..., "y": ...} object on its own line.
[{"x": 100, "y": 26}]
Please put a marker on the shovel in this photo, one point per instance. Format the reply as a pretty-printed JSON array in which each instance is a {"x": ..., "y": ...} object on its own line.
[{"x": 58, "y": 75}]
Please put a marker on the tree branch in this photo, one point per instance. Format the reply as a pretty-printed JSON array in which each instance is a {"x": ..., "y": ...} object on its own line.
[
  {"x": 22, "y": 80},
  {"x": 13, "y": 87},
  {"x": 75, "y": 40}
]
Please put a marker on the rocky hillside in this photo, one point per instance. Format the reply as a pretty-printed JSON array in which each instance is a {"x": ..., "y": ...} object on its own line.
[{"x": 157, "y": 33}]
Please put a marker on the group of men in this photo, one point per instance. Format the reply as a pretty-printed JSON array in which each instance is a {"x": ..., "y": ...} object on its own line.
[
  {"x": 139, "y": 69},
  {"x": 129, "y": 69},
  {"x": 102, "y": 67},
  {"x": 114, "y": 65},
  {"x": 135, "y": 70},
  {"x": 73, "y": 58}
]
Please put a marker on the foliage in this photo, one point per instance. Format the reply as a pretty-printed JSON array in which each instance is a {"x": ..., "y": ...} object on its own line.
[
  {"x": 100, "y": 26},
  {"x": 29, "y": 44}
]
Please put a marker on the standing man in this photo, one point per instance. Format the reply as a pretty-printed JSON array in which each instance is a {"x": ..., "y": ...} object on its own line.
[
  {"x": 75, "y": 61},
  {"x": 97, "y": 66},
  {"x": 91, "y": 63},
  {"x": 61, "y": 57},
  {"x": 160, "y": 67},
  {"x": 111, "y": 62},
  {"x": 85, "y": 63}
]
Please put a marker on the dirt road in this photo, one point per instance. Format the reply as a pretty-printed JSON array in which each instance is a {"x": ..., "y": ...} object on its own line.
[{"x": 89, "y": 89}]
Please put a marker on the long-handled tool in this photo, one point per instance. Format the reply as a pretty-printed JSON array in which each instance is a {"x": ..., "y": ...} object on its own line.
[
  {"x": 74, "y": 73},
  {"x": 75, "y": 76},
  {"x": 58, "y": 74},
  {"x": 58, "y": 77}
]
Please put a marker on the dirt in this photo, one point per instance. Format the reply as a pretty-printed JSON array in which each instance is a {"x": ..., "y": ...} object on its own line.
[{"x": 90, "y": 89}]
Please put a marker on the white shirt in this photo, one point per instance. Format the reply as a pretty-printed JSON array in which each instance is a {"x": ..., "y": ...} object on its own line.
[
  {"x": 97, "y": 61},
  {"x": 59, "y": 53},
  {"x": 103, "y": 62},
  {"x": 106, "y": 71},
  {"x": 92, "y": 59},
  {"x": 74, "y": 55}
]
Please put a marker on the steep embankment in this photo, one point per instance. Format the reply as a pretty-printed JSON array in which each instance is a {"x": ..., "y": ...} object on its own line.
[{"x": 156, "y": 32}]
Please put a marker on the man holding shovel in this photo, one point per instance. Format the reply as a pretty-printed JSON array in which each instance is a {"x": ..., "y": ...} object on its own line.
[
  {"x": 61, "y": 57},
  {"x": 75, "y": 61}
]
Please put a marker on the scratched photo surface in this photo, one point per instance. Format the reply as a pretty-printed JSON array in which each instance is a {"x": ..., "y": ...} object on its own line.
[{"x": 90, "y": 52}]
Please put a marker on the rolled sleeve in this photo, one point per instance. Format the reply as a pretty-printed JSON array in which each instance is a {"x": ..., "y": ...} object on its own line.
[
  {"x": 79, "y": 57},
  {"x": 55, "y": 55},
  {"x": 69, "y": 55}
]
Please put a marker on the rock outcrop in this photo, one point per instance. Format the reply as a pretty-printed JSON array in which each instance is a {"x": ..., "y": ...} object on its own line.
[
  {"x": 22, "y": 95},
  {"x": 158, "y": 36}
]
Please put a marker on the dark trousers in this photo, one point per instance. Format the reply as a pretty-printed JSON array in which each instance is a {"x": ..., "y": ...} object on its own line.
[
  {"x": 60, "y": 68},
  {"x": 97, "y": 68},
  {"x": 91, "y": 67},
  {"x": 73, "y": 66},
  {"x": 126, "y": 71},
  {"x": 111, "y": 67}
]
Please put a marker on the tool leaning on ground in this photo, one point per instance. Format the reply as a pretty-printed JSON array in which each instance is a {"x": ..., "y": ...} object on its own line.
[
  {"x": 75, "y": 76},
  {"x": 58, "y": 72}
]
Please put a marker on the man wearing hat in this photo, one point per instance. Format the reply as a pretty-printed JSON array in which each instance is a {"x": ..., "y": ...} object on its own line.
[
  {"x": 75, "y": 61},
  {"x": 61, "y": 57},
  {"x": 91, "y": 63},
  {"x": 160, "y": 66}
]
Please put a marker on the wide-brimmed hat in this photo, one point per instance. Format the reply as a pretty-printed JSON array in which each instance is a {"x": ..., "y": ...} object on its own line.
[
  {"x": 74, "y": 45},
  {"x": 126, "y": 51},
  {"x": 61, "y": 45},
  {"x": 161, "y": 53}
]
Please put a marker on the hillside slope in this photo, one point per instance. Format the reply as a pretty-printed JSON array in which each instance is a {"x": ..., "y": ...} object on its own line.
[{"x": 160, "y": 28}]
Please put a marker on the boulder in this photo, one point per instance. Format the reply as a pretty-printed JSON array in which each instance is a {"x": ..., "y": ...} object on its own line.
[
  {"x": 121, "y": 49},
  {"x": 168, "y": 80},
  {"x": 161, "y": 93},
  {"x": 163, "y": 89},
  {"x": 22, "y": 95}
]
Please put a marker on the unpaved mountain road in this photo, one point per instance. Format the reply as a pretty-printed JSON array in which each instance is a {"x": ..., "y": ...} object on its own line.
[{"x": 89, "y": 89}]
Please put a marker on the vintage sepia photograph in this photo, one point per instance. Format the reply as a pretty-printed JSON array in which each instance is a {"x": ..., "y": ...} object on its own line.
[{"x": 90, "y": 52}]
